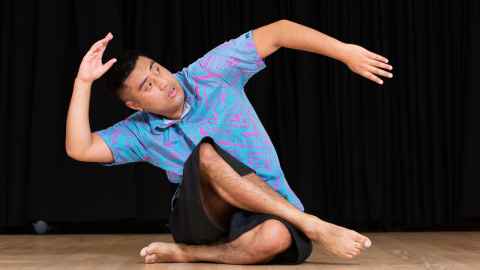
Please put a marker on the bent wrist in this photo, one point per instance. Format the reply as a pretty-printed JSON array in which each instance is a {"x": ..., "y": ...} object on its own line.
[{"x": 83, "y": 82}]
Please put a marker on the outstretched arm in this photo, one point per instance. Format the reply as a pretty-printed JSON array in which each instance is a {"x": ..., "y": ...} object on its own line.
[{"x": 284, "y": 33}]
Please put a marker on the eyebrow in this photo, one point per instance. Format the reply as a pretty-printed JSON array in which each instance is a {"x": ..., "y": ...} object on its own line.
[{"x": 144, "y": 80}]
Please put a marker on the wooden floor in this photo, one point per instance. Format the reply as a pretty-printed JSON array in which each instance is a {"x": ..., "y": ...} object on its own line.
[{"x": 422, "y": 250}]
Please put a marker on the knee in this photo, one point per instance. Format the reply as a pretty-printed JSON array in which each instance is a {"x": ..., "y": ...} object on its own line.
[
  {"x": 272, "y": 238},
  {"x": 207, "y": 154}
]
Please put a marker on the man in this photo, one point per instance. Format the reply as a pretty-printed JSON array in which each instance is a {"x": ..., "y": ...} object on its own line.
[{"x": 233, "y": 204}]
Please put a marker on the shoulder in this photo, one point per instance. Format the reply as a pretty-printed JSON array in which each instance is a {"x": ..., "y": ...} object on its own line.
[
  {"x": 135, "y": 122},
  {"x": 234, "y": 60}
]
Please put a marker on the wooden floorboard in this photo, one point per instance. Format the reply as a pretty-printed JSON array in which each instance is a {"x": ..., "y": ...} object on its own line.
[{"x": 407, "y": 250}]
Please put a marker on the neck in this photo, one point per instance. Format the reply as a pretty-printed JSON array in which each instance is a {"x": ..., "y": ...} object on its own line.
[{"x": 177, "y": 114}]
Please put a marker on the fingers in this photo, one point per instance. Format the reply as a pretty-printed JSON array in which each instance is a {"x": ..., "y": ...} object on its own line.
[
  {"x": 101, "y": 48},
  {"x": 98, "y": 47},
  {"x": 101, "y": 42},
  {"x": 109, "y": 64},
  {"x": 377, "y": 57},
  {"x": 380, "y": 64},
  {"x": 371, "y": 76},
  {"x": 369, "y": 65},
  {"x": 374, "y": 68},
  {"x": 380, "y": 72},
  {"x": 376, "y": 64}
]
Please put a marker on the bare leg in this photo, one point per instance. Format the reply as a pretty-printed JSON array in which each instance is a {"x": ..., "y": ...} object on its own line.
[
  {"x": 256, "y": 196},
  {"x": 258, "y": 245}
]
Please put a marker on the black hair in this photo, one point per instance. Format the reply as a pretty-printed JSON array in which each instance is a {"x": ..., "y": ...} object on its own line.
[{"x": 120, "y": 71}]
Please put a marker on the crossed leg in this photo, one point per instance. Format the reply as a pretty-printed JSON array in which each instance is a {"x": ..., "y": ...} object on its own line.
[
  {"x": 258, "y": 245},
  {"x": 230, "y": 190}
]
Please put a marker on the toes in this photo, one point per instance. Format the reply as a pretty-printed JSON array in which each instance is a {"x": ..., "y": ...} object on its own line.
[
  {"x": 150, "y": 258},
  {"x": 151, "y": 249},
  {"x": 358, "y": 246},
  {"x": 148, "y": 249},
  {"x": 349, "y": 256},
  {"x": 143, "y": 252},
  {"x": 366, "y": 243},
  {"x": 154, "y": 247},
  {"x": 353, "y": 253}
]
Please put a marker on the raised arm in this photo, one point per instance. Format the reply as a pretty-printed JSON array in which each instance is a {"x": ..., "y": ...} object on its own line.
[
  {"x": 80, "y": 142},
  {"x": 284, "y": 33}
]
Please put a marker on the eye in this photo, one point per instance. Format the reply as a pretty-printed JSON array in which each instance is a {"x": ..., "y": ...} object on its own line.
[{"x": 149, "y": 85}]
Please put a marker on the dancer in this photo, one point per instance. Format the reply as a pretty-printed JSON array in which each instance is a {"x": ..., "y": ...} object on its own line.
[{"x": 233, "y": 204}]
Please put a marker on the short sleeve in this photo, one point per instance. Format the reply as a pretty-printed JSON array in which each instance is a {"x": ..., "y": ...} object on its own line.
[
  {"x": 236, "y": 60},
  {"x": 173, "y": 177},
  {"x": 123, "y": 140}
]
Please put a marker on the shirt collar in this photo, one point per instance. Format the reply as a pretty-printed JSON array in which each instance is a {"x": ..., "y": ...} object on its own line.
[{"x": 159, "y": 122}]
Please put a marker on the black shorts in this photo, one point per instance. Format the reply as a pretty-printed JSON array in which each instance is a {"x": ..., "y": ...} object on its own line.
[{"x": 189, "y": 223}]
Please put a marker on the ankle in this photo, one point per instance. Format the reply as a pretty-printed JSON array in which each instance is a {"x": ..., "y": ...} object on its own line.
[
  {"x": 315, "y": 228},
  {"x": 185, "y": 252}
]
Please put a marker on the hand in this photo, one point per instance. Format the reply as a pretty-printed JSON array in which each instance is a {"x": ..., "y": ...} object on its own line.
[
  {"x": 91, "y": 67},
  {"x": 366, "y": 63}
]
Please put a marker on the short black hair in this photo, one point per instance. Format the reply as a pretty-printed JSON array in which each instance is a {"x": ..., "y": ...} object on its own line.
[{"x": 120, "y": 71}]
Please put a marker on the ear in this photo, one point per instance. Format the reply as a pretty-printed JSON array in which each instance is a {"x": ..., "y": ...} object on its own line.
[{"x": 133, "y": 105}]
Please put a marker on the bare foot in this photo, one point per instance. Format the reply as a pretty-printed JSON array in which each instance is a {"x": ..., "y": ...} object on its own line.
[
  {"x": 163, "y": 252},
  {"x": 337, "y": 240}
]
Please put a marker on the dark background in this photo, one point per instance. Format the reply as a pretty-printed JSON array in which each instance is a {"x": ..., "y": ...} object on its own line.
[{"x": 402, "y": 156}]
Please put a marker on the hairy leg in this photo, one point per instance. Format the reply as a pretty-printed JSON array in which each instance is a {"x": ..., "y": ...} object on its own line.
[
  {"x": 218, "y": 209},
  {"x": 256, "y": 196},
  {"x": 258, "y": 245}
]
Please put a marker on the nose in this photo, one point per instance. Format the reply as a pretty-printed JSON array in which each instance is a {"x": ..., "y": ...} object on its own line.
[{"x": 162, "y": 83}]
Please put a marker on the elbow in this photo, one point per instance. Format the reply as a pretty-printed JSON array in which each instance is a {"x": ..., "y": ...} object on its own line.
[
  {"x": 282, "y": 25},
  {"x": 68, "y": 149},
  {"x": 72, "y": 153},
  {"x": 283, "y": 21},
  {"x": 281, "y": 32},
  {"x": 76, "y": 149}
]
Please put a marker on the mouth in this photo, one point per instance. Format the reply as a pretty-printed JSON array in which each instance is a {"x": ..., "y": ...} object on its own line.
[{"x": 172, "y": 93}]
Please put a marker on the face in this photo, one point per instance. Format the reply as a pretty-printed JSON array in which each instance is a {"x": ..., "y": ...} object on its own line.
[{"x": 152, "y": 88}]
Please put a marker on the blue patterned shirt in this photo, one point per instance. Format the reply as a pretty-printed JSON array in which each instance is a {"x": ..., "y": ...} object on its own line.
[{"x": 216, "y": 106}]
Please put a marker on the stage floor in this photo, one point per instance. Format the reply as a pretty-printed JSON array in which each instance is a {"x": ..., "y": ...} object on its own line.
[{"x": 405, "y": 250}]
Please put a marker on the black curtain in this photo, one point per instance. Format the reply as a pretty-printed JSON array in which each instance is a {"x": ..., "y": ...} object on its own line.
[
  {"x": 388, "y": 157},
  {"x": 470, "y": 202}
]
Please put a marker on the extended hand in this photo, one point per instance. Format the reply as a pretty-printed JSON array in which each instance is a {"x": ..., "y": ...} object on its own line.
[
  {"x": 91, "y": 67},
  {"x": 366, "y": 63}
]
